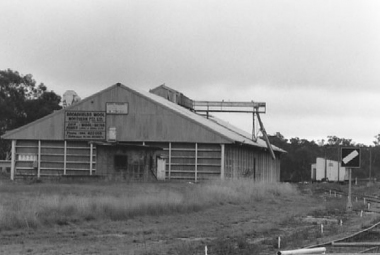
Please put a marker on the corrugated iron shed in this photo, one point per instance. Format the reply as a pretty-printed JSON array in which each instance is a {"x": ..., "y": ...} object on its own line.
[{"x": 194, "y": 147}]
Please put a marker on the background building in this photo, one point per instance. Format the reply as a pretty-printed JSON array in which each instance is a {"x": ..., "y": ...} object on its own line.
[
  {"x": 124, "y": 133},
  {"x": 329, "y": 170}
]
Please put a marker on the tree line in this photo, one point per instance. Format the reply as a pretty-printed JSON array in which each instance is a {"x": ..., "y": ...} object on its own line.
[
  {"x": 22, "y": 101},
  {"x": 301, "y": 153}
]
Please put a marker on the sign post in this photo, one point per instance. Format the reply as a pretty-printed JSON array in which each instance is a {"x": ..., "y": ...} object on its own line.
[
  {"x": 350, "y": 159},
  {"x": 349, "y": 200}
]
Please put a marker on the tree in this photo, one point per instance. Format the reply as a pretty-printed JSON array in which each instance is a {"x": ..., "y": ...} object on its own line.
[
  {"x": 336, "y": 141},
  {"x": 377, "y": 141},
  {"x": 21, "y": 102},
  {"x": 375, "y": 155}
]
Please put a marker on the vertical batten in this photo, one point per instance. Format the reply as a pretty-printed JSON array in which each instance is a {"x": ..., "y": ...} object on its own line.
[
  {"x": 64, "y": 157},
  {"x": 39, "y": 160},
  {"x": 13, "y": 162},
  {"x": 222, "y": 162},
  {"x": 170, "y": 158},
  {"x": 196, "y": 162},
  {"x": 91, "y": 153}
]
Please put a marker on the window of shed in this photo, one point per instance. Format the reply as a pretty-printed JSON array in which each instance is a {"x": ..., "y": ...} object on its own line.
[{"x": 121, "y": 162}]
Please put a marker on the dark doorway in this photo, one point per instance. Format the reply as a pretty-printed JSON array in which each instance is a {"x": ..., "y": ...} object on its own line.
[{"x": 121, "y": 163}]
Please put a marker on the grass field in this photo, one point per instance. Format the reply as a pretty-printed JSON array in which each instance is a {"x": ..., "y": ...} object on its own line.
[
  {"x": 229, "y": 217},
  {"x": 45, "y": 204}
]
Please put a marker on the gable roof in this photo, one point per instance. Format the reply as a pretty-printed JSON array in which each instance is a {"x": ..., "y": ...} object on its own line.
[{"x": 224, "y": 129}]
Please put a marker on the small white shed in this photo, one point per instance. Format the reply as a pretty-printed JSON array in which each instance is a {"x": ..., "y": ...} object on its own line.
[{"x": 330, "y": 170}]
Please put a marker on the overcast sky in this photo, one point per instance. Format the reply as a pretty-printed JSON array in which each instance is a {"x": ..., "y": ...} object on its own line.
[{"x": 316, "y": 63}]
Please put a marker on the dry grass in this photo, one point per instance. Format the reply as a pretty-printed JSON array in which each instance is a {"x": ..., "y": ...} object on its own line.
[{"x": 32, "y": 206}]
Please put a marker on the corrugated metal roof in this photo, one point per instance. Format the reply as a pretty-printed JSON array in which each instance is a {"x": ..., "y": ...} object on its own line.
[
  {"x": 223, "y": 128},
  {"x": 259, "y": 142}
]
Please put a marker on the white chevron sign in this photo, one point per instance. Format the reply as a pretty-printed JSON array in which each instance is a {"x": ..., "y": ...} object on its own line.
[{"x": 351, "y": 157}]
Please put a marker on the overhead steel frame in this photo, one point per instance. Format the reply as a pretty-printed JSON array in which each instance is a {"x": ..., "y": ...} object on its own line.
[{"x": 237, "y": 107}]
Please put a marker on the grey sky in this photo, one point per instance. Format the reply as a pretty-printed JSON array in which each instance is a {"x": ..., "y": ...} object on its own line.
[{"x": 316, "y": 63}]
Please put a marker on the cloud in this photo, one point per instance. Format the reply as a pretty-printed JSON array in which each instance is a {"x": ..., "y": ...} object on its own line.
[{"x": 315, "y": 63}]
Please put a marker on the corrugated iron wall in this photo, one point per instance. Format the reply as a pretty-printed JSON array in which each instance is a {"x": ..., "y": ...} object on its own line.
[
  {"x": 184, "y": 161},
  {"x": 243, "y": 162}
]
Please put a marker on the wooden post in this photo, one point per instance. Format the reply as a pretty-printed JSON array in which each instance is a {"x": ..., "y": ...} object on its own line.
[
  {"x": 91, "y": 153},
  {"x": 13, "y": 160},
  {"x": 64, "y": 157},
  {"x": 39, "y": 160},
  {"x": 170, "y": 159},
  {"x": 222, "y": 162},
  {"x": 196, "y": 162}
]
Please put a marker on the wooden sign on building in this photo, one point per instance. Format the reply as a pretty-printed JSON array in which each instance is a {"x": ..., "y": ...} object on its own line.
[{"x": 85, "y": 125}]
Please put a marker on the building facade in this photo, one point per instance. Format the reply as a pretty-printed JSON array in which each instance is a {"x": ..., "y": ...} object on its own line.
[{"x": 121, "y": 132}]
